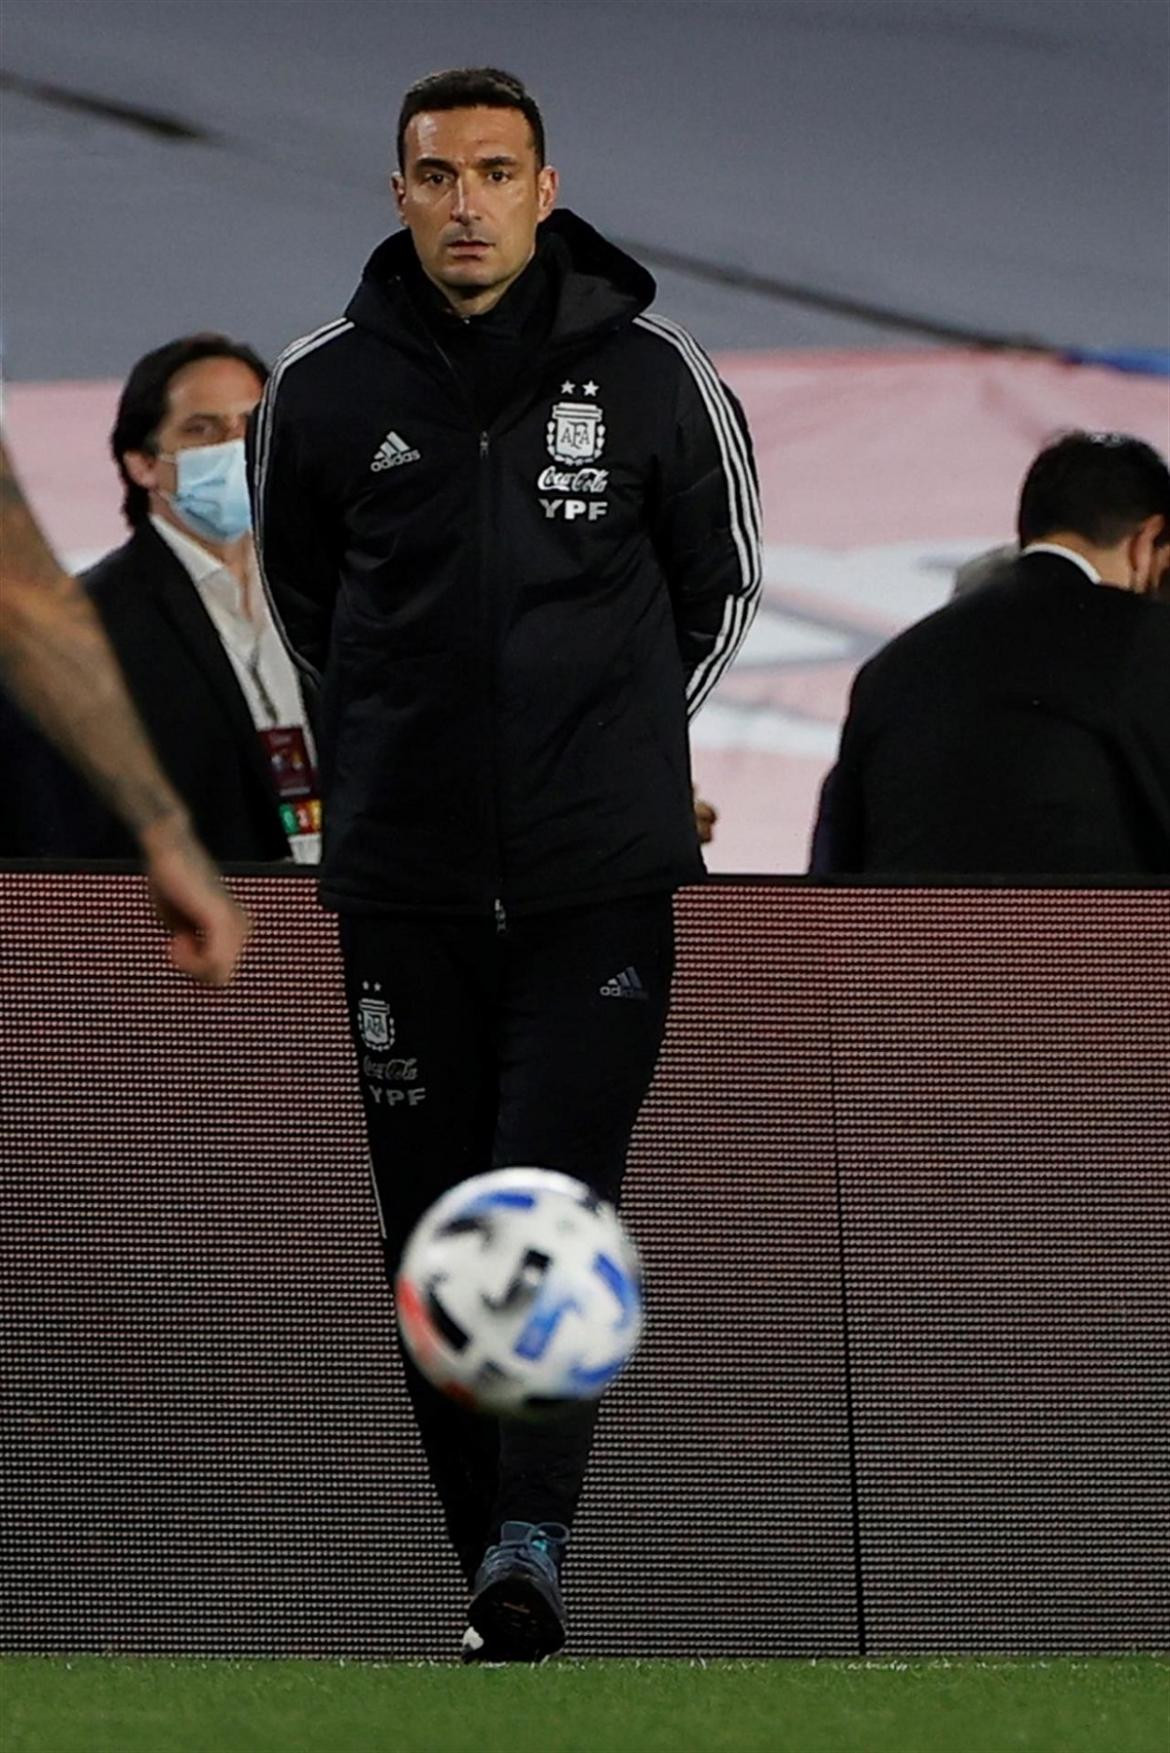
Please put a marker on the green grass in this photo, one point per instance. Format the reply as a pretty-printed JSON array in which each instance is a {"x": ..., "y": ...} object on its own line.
[{"x": 88, "y": 1704}]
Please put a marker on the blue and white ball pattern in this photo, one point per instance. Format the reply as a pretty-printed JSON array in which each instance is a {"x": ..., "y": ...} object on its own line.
[{"x": 520, "y": 1292}]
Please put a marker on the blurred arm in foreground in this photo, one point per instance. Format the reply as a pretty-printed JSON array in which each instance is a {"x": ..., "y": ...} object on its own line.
[{"x": 58, "y": 666}]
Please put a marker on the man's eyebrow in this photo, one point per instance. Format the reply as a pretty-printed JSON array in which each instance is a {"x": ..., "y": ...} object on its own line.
[{"x": 493, "y": 161}]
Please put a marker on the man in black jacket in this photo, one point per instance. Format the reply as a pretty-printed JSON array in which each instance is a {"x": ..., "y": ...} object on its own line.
[
  {"x": 510, "y": 524},
  {"x": 1024, "y": 729}
]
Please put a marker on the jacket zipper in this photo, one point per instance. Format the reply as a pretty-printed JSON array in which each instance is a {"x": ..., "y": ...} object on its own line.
[{"x": 491, "y": 625}]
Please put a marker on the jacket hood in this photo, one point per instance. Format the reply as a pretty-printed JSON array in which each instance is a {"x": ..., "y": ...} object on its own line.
[{"x": 599, "y": 287}]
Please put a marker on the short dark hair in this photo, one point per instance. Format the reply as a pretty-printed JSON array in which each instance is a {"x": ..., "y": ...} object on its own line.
[
  {"x": 468, "y": 88},
  {"x": 142, "y": 405},
  {"x": 1099, "y": 485}
]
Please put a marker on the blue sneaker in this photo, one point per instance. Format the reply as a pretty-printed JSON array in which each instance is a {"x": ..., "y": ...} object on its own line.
[{"x": 516, "y": 1607}]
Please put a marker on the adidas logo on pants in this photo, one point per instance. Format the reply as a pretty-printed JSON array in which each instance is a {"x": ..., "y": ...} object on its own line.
[{"x": 624, "y": 985}]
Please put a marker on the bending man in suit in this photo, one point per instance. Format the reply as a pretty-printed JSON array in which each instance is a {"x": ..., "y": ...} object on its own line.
[
  {"x": 182, "y": 605},
  {"x": 1025, "y": 729}
]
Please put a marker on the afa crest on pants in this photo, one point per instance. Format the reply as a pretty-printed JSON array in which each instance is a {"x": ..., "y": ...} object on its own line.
[{"x": 374, "y": 1021}]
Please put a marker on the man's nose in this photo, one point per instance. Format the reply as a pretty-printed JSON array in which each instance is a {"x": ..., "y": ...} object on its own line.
[{"x": 463, "y": 201}]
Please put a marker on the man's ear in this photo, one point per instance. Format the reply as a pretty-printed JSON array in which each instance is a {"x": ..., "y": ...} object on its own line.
[
  {"x": 547, "y": 184},
  {"x": 1146, "y": 557},
  {"x": 398, "y": 189},
  {"x": 141, "y": 468}
]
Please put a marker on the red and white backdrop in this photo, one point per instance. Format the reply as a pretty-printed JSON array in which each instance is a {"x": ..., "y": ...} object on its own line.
[{"x": 881, "y": 472}]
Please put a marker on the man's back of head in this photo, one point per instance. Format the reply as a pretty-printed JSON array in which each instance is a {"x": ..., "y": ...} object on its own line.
[{"x": 1105, "y": 496}]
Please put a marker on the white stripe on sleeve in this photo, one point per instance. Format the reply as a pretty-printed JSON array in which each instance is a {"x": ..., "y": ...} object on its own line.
[
  {"x": 743, "y": 508},
  {"x": 264, "y": 423}
]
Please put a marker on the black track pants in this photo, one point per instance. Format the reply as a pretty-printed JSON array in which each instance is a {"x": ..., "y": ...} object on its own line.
[{"x": 481, "y": 1048}]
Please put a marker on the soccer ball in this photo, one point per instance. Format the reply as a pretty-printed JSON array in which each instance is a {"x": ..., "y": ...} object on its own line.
[{"x": 520, "y": 1293}]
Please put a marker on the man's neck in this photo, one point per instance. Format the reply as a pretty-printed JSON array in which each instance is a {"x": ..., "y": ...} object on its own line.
[
  {"x": 234, "y": 556},
  {"x": 1108, "y": 563}
]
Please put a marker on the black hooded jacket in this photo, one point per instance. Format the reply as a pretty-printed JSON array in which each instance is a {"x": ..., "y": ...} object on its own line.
[{"x": 510, "y": 621}]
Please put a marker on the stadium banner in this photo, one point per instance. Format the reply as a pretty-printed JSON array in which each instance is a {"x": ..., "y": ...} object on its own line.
[{"x": 901, "y": 1187}]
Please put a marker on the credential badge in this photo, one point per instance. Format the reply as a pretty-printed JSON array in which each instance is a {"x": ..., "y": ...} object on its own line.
[{"x": 576, "y": 433}]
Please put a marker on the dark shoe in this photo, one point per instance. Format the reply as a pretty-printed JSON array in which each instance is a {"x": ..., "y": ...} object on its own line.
[{"x": 517, "y": 1608}]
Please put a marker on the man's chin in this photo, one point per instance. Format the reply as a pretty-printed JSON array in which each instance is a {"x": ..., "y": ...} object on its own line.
[{"x": 469, "y": 279}]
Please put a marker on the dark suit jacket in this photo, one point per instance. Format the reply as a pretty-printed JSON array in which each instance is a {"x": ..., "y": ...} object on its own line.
[
  {"x": 185, "y": 688},
  {"x": 1024, "y": 729}
]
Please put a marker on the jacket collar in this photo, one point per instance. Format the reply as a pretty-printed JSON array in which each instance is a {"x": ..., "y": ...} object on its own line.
[{"x": 598, "y": 288}]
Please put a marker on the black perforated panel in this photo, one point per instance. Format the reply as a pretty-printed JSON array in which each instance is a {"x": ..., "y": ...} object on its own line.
[
  {"x": 901, "y": 1187},
  {"x": 1002, "y": 1067}
]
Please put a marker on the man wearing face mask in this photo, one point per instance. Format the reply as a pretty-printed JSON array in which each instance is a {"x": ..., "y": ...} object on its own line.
[{"x": 183, "y": 608}]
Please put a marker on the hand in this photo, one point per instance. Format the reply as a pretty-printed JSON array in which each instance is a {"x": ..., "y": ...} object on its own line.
[
  {"x": 208, "y": 930},
  {"x": 706, "y": 816}
]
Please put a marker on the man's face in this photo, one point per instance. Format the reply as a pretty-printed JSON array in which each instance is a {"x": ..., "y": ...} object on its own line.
[
  {"x": 471, "y": 194},
  {"x": 208, "y": 402}
]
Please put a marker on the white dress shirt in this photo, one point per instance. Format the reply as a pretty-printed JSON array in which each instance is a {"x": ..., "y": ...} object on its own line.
[{"x": 262, "y": 666}]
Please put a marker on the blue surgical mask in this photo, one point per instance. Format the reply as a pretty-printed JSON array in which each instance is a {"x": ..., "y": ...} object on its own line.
[{"x": 211, "y": 493}]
